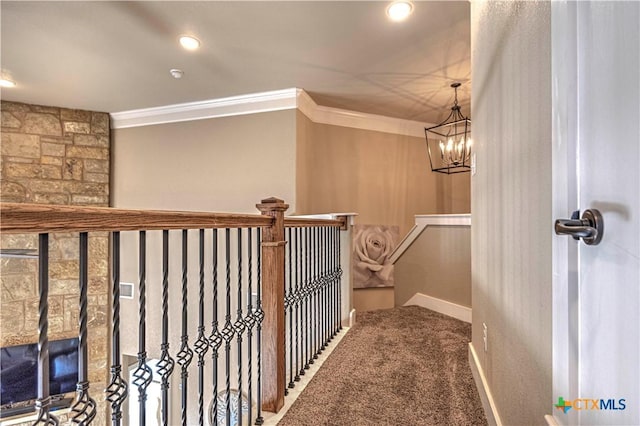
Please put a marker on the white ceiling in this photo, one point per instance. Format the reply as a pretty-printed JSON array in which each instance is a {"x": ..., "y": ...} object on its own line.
[{"x": 116, "y": 56}]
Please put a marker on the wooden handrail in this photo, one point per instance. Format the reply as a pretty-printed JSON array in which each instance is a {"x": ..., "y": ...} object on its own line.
[
  {"x": 40, "y": 218},
  {"x": 44, "y": 218},
  {"x": 291, "y": 222}
]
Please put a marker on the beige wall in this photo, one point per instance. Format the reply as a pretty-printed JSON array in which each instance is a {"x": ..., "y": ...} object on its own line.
[
  {"x": 370, "y": 299},
  {"x": 221, "y": 164},
  {"x": 511, "y": 204},
  {"x": 437, "y": 264},
  {"x": 383, "y": 177}
]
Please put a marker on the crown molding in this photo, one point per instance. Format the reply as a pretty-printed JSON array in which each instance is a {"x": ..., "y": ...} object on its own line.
[
  {"x": 358, "y": 120},
  {"x": 223, "y": 107},
  {"x": 254, "y": 103}
]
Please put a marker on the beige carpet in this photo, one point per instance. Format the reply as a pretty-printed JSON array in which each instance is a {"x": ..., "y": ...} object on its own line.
[{"x": 402, "y": 366}]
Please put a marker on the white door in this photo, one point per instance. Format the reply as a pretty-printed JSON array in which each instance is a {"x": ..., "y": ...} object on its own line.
[{"x": 596, "y": 163}]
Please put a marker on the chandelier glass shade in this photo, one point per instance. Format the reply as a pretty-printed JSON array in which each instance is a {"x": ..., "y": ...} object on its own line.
[{"x": 449, "y": 143}]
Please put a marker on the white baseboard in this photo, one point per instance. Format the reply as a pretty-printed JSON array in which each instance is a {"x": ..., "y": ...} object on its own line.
[
  {"x": 489, "y": 405},
  {"x": 352, "y": 318},
  {"x": 551, "y": 421},
  {"x": 447, "y": 308}
]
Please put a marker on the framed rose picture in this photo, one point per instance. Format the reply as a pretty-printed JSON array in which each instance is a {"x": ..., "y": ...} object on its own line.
[{"x": 372, "y": 248}]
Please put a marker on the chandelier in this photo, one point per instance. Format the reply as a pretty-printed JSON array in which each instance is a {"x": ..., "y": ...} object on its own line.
[{"x": 449, "y": 143}]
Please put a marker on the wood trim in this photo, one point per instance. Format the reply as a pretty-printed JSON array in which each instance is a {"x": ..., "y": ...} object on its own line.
[
  {"x": 463, "y": 313},
  {"x": 486, "y": 397},
  {"x": 551, "y": 421},
  {"x": 39, "y": 218},
  {"x": 424, "y": 221},
  {"x": 252, "y": 103},
  {"x": 261, "y": 102},
  {"x": 358, "y": 120},
  {"x": 273, "y": 326}
]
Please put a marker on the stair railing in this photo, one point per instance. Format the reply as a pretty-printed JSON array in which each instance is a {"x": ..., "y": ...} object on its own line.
[{"x": 286, "y": 292}]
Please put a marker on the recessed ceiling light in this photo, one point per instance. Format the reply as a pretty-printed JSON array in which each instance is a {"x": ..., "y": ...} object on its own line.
[
  {"x": 7, "y": 83},
  {"x": 399, "y": 10},
  {"x": 189, "y": 43}
]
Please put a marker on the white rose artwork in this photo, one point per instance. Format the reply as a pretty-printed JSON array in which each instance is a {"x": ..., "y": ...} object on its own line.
[{"x": 372, "y": 246}]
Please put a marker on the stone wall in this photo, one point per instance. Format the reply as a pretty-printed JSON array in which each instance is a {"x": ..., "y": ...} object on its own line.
[{"x": 56, "y": 156}]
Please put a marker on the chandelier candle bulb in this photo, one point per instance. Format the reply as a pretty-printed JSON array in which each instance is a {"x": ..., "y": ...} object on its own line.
[{"x": 7, "y": 83}]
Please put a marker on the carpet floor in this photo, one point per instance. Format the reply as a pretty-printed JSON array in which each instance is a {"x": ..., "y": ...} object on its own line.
[{"x": 402, "y": 366}]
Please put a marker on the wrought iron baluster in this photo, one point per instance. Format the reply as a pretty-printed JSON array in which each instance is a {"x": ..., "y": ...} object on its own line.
[
  {"x": 312, "y": 288},
  {"x": 44, "y": 400},
  {"x": 301, "y": 303},
  {"x": 314, "y": 266},
  {"x": 259, "y": 318},
  {"x": 185, "y": 354},
  {"x": 307, "y": 285},
  {"x": 142, "y": 375},
  {"x": 227, "y": 331},
  {"x": 332, "y": 305},
  {"x": 311, "y": 298},
  {"x": 250, "y": 320},
  {"x": 334, "y": 280},
  {"x": 201, "y": 345},
  {"x": 287, "y": 261},
  {"x": 117, "y": 389},
  {"x": 290, "y": 306},
  {"x": 319, "y": 305},
  {"x": 323, "y": 289},
  {"x": 321, "y": 276},
  {"x": 239, "y": 326},
  {"x": 296, "y": 299},
  {"x": 319, "y": 289},
  {"x": 321, "y": 282},
  {"x": 215, "y": 339},
  {"x": 166, "y": 363},
  {"x": 336, "y": 262},
  {"x": 286, "y": 305},
  {"x": 334, "y": 295},
  {"x": 329, "y": 284},
  {"x": 328, "y": 293},
  {"x": 338, "y": 279},
  {"x": 333, "y": 283},
  {"x": 84, "y": 408}
]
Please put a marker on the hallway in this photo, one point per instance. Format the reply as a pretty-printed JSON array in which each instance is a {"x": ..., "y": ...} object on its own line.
[{"x": 402, "y": 366}]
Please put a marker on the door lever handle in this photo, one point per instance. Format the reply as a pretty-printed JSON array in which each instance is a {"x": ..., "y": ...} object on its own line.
[
  {"x": 590, "y": 227},
  {"x": 576, "y": 228}
]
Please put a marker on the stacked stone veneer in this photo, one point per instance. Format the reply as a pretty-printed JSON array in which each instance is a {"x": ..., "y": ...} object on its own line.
[{"x": 56, "y": 156}]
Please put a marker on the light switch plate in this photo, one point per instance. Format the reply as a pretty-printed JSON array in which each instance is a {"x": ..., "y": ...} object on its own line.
[{"x": 473, "y": 164}]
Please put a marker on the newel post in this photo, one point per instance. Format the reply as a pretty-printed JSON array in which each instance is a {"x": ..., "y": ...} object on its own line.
[{"x": 273, "y": 329}]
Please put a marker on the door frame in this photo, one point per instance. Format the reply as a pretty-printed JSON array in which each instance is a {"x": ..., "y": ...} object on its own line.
[{"x": 565, "y": 199}]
